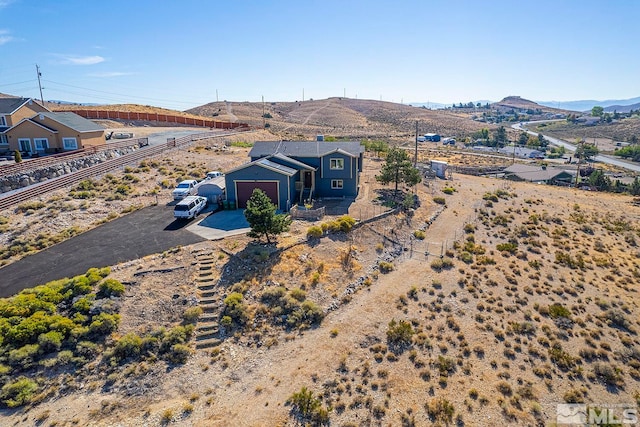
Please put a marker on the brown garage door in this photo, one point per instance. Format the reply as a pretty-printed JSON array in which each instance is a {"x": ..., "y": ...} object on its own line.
[{"x": 245, "y": 189}]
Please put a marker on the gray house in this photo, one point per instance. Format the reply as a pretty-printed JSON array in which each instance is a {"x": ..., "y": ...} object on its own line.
[{"x": 291, "y": 172}]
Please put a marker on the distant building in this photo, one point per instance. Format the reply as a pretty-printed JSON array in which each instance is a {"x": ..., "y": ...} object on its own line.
[
  {"x": 440, "y": 168},
  {"x": 432, "y": 137},
  {"x": 539, "y": 174}
]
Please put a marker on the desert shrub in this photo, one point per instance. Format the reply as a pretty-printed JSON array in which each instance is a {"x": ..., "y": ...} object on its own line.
[
  {"x": 19, "y": 392},
  {"x": 419, "y": 234},
  {"x": 466, "y": 257},
  {"x": 104, "y": 323},
  {"x": 490, "y": 197},
  {"x": 111, "y": 287},
  {"x": 192, "y": 314},
  {"x": 609, "y": 374},
  {"x": 440, "y": 410},
  {"x": 25, "y": 356},
  {"x": 175, "y": 335},
  {"x": 29, "y": 206},
  {"x": 617, "y": 318},
  {"x": 298, "y": 294},
  {"x": 179, "y": 353},
  {"x": 272, "y": 295},
  {"x": 558, "y": 310},
  {"x": 507, "y": 247},
  {"x": 445, "y": 365},
  {"x": 308, "y": 408},
  {"x": 448, "y": 190},
  {"x": 399, "y": 334},
  {"x": 469, "y": 228},
  {"x": 440, "y": 264},
  {"x": 50, "y": 341},
  {"x": 385, "y": 267},
  {"x": 561, "y": 358},
  {"x": 524, "y": 328},
  {"x": 314, "y": 232},
  {"x": 235, "y": 309},
  {"x": 439, "y": 200},
  {"x": 128, "y": 347},
  {"x": 307, "y": 314}
]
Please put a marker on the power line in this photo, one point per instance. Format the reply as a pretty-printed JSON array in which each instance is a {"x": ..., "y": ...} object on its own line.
[
  {"x": 17, "y": 83},
  {"x": 119, "y": 94}
]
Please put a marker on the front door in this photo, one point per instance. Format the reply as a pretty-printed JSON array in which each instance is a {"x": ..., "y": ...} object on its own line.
[
  {"x": 307, "y": 179},
  {"x": 24, "y": 145}
]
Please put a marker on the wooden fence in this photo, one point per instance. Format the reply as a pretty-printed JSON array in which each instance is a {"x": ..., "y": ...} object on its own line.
[{"x": 157, "y": 117}]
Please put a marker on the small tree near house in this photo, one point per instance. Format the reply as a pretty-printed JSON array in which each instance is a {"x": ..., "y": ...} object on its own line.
[
  {"x": 398, "y": 168},
  {"x": 262, "y": 217}
]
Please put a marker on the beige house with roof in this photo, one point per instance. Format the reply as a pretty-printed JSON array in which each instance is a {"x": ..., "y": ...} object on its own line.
[
  {"x": 12, "y": 111},
  {"x": 53, "y": 132}
]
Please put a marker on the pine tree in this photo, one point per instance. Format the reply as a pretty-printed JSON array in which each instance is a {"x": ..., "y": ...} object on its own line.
[
  {"x": 398, "y": 168},
  {"x": 262, "y": 217}
]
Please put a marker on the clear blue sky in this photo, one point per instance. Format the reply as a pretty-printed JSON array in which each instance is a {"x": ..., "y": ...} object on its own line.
[{"x": 176, "y": 54}]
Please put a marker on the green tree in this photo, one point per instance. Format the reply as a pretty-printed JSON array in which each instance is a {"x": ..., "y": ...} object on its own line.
[
  {"x": 635, "y": 187},
  {"x": 599, "y": 180},
  {"x": 500, "y": 136},
  {"x": 586, "y": 151},
  {"x": 17, "y": 156},
  {"x": 398, "y": 168},
  {"x": 541, "y": 141},
  {"x": 523, "y": 138},
  {"x": 262, "y": 217},
  {"x": 597, "y": 111}
]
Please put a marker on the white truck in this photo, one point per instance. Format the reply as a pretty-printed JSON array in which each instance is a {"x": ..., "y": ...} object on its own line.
[
  {"x": 189, "y": 207},
  {"x": 184, "y": 189}
]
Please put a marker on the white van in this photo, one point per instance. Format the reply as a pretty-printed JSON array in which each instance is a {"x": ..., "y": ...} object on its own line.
[{"x": 189, "y": 207}]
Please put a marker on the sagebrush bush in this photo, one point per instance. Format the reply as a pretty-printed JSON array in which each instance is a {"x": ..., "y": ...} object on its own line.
[
  {"x": 192, "y": 314},
  {"x": 314, "y": 232}
]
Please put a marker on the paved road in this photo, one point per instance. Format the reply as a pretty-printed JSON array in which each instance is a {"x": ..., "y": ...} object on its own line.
[
  {"x": 147, "y": 231},
  {"x": 571, "y": 147}
]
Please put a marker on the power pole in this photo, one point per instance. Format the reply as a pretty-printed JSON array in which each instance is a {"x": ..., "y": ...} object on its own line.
[
  {"x": 216, "y": 95},
  {"x": 415, "y": 156},
  {"x": 39, "y": 84},
  {"x": 263, "y": 117}
]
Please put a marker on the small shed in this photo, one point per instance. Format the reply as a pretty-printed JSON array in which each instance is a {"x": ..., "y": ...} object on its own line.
[
  {"x": 212, "y": 189},
  {"x": 440, "y": 168}
]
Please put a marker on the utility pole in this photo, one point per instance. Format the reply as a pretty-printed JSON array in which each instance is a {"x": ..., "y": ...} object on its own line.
[
  {"x": 263, "y": 118},
  {"x": 302, "y": 94},
  {"x": 216, "y": 95},
  {"x": 415, "y": 156},
  {"x": 39, "y": 84}
]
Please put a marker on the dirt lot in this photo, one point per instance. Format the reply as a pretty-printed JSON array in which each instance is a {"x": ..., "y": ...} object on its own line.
[{"x": 536, "y": 306}]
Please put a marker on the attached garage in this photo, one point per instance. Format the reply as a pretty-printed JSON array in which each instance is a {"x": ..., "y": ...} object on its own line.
[
  {"x": 244, "y": 190},
  {"x": 276, "y": 180}
]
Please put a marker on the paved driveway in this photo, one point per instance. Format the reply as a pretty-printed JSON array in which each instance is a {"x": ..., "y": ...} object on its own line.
[
  {"x": 221, "y": 224},
  {"x": 144, "y": 232}
]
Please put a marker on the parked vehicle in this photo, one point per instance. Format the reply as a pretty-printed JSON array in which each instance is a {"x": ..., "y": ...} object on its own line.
[
  {"x": 214, "y": 174},
  {"x": 448, "y": 141},
  {"x": 189, "y": 207},
  {"x": 184, "y": 189}
]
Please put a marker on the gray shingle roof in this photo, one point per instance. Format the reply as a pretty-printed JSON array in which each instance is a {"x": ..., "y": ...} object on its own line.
[
  {"x": 71, "y": 120},
  {"x": 304, "y": 148},
  {"x": 9, "y": 105}
]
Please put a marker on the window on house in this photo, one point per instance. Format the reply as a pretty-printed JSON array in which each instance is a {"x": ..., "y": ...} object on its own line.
[
  {"x": 24, "y": 145},
  {"x": 3, "y": 139},
  {"x": 41, "y": 144},
  {"x": 337, "y": 184},
  {"x": 70, "y": 143},
  {"x": 336, "y": 163},
  {"x": 3, "y": 121}
]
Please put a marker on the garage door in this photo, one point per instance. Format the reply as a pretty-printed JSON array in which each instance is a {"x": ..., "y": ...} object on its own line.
[{"x": 245, "y": 189}]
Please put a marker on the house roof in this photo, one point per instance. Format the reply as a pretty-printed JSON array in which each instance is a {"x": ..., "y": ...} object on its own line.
[
  {"x": 11, "y": 105},
  {"x": 305, "y": 148},
  {"x": 536, "y": 173},
  {"x": 71, "y": 120},
  {"x": 267, "y": 164},
  {"x": 288, "y": 159}
]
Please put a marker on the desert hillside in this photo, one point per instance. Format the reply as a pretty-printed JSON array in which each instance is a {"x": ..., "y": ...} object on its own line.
[
  {"x": 491, "y": 303},
  {"x": 342, "y": 118},
  {"x": 525, "y": 104}
]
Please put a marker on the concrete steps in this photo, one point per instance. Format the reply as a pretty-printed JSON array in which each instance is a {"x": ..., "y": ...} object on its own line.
[{"x": 207, "y": 332}]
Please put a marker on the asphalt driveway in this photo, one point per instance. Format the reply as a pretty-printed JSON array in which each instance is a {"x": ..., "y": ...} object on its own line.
[{"x": 144, "y": 232}]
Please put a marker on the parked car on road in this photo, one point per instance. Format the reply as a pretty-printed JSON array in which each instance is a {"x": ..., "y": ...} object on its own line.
[
  {"x": 184, "y": 189},
  {"x": 189, "y": 207}
]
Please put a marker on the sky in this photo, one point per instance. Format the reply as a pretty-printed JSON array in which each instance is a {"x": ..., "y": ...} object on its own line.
[{"x": 182, "y": 54}]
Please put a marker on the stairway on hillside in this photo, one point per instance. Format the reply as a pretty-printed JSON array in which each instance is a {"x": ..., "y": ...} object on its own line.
[{"x": 209, "y": 299}]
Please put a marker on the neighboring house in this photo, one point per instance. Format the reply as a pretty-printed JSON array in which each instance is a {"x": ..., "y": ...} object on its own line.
[
  {"x": 291, "y": 172},
  {"x": 49, "y": 132},
  {"x": 539, "y": 174},
  {"x": 12, "y": 111}
]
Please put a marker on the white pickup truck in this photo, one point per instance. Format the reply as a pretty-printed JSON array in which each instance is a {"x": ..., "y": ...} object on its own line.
[{"x": 184, "y": 189}]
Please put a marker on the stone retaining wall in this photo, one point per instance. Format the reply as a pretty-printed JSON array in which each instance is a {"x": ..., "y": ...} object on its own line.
[{"x": 24, "y": 179}]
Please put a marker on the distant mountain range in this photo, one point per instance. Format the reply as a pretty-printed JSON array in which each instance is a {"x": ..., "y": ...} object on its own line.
[{"x": 620, "y": 105}]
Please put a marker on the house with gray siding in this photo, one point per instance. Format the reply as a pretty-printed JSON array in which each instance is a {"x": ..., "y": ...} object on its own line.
[{"x": 292, "y": 172}]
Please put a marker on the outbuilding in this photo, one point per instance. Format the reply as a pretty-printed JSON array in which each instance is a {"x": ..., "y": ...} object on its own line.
[{"x": 213, "y": 189}]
